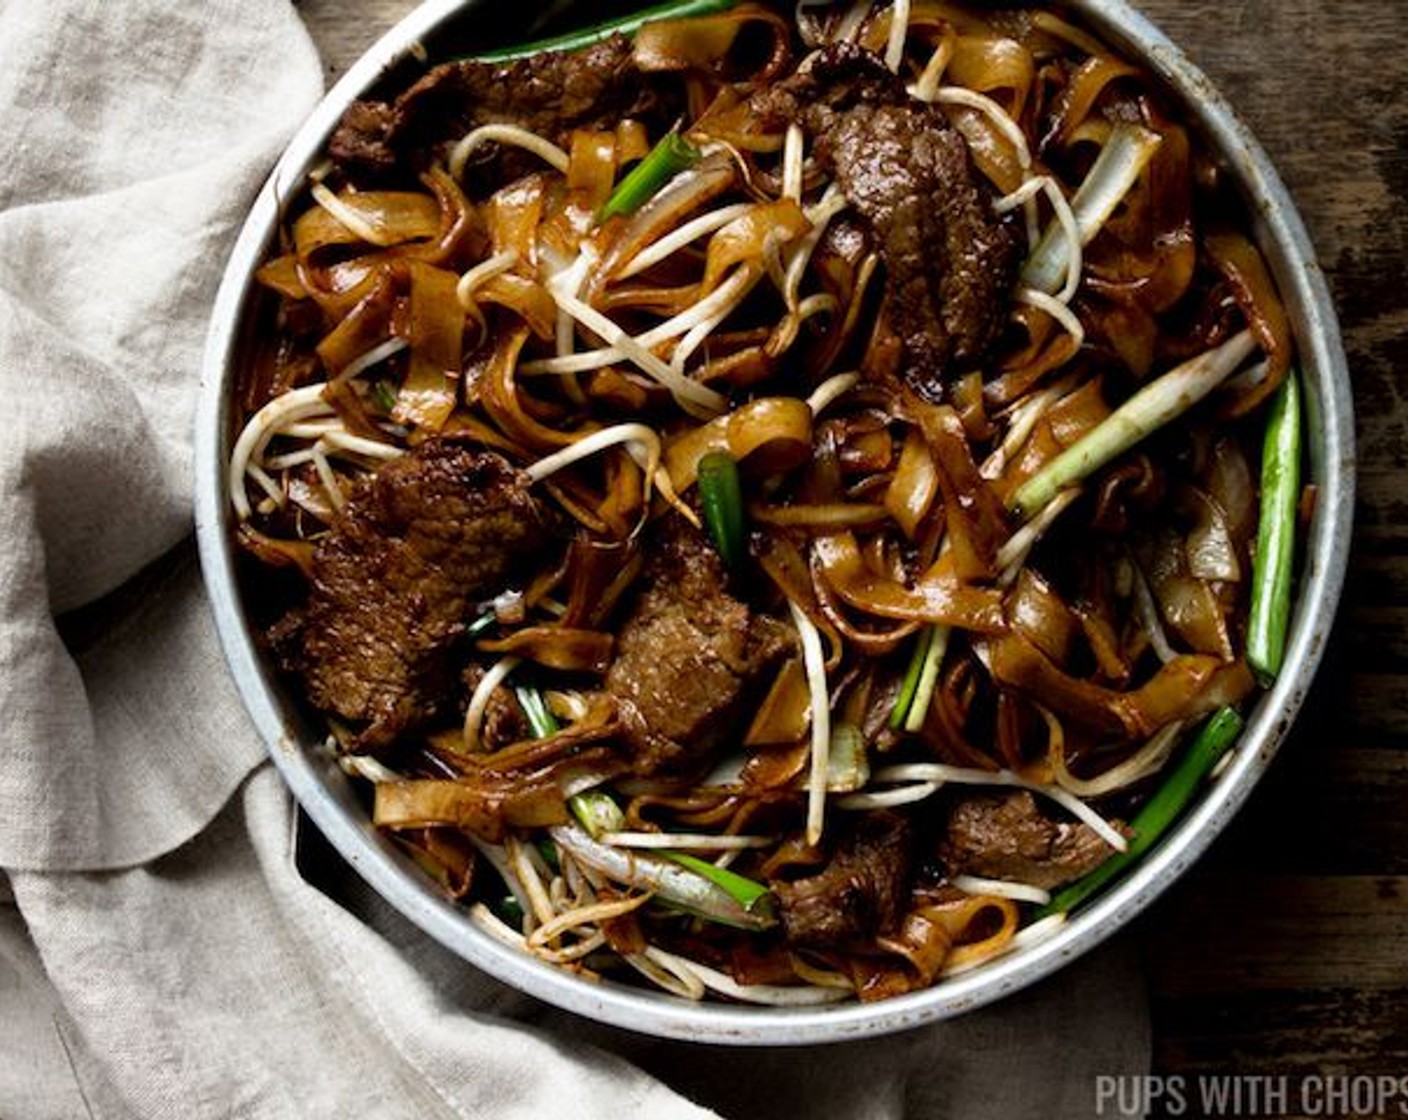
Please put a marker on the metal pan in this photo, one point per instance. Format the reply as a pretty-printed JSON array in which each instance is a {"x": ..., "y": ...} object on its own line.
[{"x": 325, "y": 794}]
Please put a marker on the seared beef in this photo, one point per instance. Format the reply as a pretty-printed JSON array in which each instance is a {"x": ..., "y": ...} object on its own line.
[
  {"x": 859, "y": 894},
  {"x": 688, "y": 654},
  {"x": 550, "y": 94},
  {"x": 1007, "y": 836},
  {"x": 396, "y": 578},
  {"x": 949, "y": 260}
]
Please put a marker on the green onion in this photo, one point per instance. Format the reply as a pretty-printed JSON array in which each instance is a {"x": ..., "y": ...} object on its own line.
[
  {"x": 1162, "y": 400},
  {"x": 482, "y": 623},
  {"x": 541, "y": 721},
  {"x": 624, "y": 25},
  {"x": 910, "y": 685},
  {"x": 754, "y": 897},
  {"x": 1116, "y": 169},
  {"x": 721, "y": 497},
  {"x": 724, "y": 896},
  {"x": 384, "y": 394},
  {"x": 1160, "y": 811},
  {"x": 928, "y": 678},
  {"x": 666, "y": 160},
  {"x": 509, "y": 911},
  {"x": 1276, "y": 534},
  {"x": 681, "y": 881},
  {"x": 597, "y": 811}
]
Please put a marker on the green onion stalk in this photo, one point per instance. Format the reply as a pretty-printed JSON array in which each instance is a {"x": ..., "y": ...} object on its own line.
[
  {"x": 623, "y": 25},
  {"x": 721, "y": 497},
  {"x": 1160, "y": 811},
  {"x": 703, "y": 889},
  {"x": 1274, "y": 564},
  {"x": 666, "y": 160}
]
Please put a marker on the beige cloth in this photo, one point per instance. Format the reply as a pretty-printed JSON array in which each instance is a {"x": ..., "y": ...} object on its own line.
[{"x": 160, "y": 952}]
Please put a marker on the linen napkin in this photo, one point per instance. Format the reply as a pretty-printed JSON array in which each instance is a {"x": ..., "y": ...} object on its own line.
[{"x": 160, "y": 953}]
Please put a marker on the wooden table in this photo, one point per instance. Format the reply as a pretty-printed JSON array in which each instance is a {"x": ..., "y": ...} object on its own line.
[{"x": 1285, "y": 952}]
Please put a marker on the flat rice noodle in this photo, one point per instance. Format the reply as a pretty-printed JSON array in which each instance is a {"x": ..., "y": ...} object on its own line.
[
  {"x": 746, "y": 239},
  {"x": 772, "y": 434},
  {"x": 351, "y": 410},
  {"x": 1035, "y": 611},
  {"x": 1241, "y": 263},
  {"x": 526, "y": 298},
  {"x": 827, "y": 517},
  {"x": 624, "y": 505},
  {"x": 1077, "y": 101},
  {"x": 863, "y": 442},
  {"x": 597, "y": 575},
  {"x": 944, "y": 728},
  {"x": 445, "y": 855},
  {"x": 462, "y": 422},
  {"x": 339, "y": 286},
  {"x": 928, "y": 17},
  {"x": 1193, "y": 611},
  {"x": 618, "y": 392},
  {"x": 966, "y": 393},
  {"x": 784, "y": 564},
  {"x": 462, "y": 235},
  {"x": 1078, "y": 413},
  {"x": 660, "y": 299},
  {"x": 601, "y": 724},
  {"x": 704, "y": 43},
  {"x": 591, "y": 170},
  {"x": 1134, "y": 484},
  {"x": 870, "y": 642},
  {"x": 1016, "y": 382},
  {"x": 1131, "y": 332},
  {"x": 1170, "y": 184},
  {"x": 973, "y": 509},
  {"x": 932, "y": 598},
  {"x": 1188, "y": 686},
  {"x": 487, "y": 805},
  {"x": 785, "y": 713},
  {"x": 276, "y": 552},
  {"x": 1146, "y": 252},
  {"x": 499, "y": 394},
  {"x": 282, "y": 275},
  {"x": 992, "y": 152},
  {"x": 1115, "y": 666},
  {"x": 738, "y": 370},
  {"x": 994, "y": 65},
  {"x": 557, "y": 647},
  {"x": 729, "y": 119},
  {"x": 776, "y": 766},
  {"x": 915, "y": 485},
  {"x": 397, "y": 217},
  {"x": 371, "y": 322},
  {"x": 945, "y": 934},
  {"x": 513, "y": 215},
  {"x": 435, "y": 331}
]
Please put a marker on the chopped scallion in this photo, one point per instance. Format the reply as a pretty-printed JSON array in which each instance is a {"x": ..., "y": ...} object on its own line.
[
  {"x": 625, "y": 25},
  {"x": 721, "y": 496},
  {"x": 666, "y": 160},
  {"x": 753, "y": 896},
  {"x": 384, "y": 394},
  {"x": 1274, "y": 563},
  {"x": 910, "y": 685},
  {"x": 598, "y": 812},
  {"x": 1161, "y": 810},
  {"x": 540, "y": 720}
]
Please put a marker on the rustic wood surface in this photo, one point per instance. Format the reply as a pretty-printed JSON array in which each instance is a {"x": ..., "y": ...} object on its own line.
[{"x": 1285, "y": 951}]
